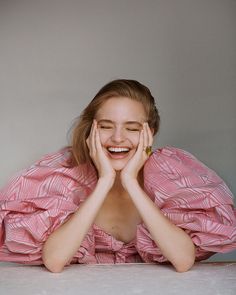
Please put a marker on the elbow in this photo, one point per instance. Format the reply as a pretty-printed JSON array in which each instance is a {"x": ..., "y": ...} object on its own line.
[
  {"x": 184, "y": 265},
  {"x": 53, "y": 267},
  {"x": 185, "y": 261},
  {"x": 52, "y": 264}
]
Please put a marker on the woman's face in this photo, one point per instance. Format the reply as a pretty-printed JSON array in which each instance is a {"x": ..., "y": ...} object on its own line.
[{"x": 120, "y": 121}]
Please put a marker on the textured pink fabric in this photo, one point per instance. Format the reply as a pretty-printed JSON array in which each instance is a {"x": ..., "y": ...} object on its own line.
[{"x": 38, "y": 200}]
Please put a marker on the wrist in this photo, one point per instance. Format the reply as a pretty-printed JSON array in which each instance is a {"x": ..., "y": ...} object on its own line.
[
  {"x": 106, "y": 182},
  {"x": 129, "y": 183}
]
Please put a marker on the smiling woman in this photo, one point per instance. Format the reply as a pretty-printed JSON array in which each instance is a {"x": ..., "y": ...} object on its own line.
[
  {"x": 120, "y": 120},
  {"x": 108, "y": 199}
]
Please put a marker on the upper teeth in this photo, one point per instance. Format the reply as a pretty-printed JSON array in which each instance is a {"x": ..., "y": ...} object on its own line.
[{"x": 118, "y": 150}]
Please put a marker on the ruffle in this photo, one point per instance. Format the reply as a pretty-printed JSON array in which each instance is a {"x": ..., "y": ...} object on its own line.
[
  {"x": 194, "y": 198},
  {"x": 27, "y": 225},
  {"x": 36, "y": 202}
]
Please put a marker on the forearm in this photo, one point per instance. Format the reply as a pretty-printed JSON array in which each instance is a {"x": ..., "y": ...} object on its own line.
[
  {"x": 174, "y": 243},
  {"x": 63, "y": 243}
]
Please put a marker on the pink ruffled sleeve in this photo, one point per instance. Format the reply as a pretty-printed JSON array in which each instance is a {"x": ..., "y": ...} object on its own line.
[
  {"x": 194, "y": 198},
  {"x": 36, "y": 202}
]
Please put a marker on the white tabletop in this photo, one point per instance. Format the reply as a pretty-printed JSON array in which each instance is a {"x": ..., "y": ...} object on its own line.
[{"x": 122, "y": 279}]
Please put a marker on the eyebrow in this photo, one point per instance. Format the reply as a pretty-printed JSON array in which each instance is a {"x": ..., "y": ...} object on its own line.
[{"x": 127, "y": 122}]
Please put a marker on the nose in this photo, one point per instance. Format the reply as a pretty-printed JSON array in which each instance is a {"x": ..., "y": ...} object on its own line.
[{"x": 117, "y": 135}]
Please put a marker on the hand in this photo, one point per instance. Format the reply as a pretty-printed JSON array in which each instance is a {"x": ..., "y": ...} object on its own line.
[
  {"x": 100, "y": 160},
  {"x": 130, "y": 171}
]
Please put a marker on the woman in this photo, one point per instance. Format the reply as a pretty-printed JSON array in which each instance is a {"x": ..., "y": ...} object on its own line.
[{"x": 109, "y": 199}]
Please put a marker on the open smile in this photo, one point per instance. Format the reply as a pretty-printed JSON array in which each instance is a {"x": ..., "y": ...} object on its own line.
[{"x": 118, "y": 152}]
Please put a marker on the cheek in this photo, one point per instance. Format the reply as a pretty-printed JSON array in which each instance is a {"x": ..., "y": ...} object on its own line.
[
  {"x": 134, "y": 138},
  {"x": 104, "y": 136}
]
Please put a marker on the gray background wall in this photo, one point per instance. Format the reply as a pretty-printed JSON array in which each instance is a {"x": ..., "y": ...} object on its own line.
[{"x": 55, "y": 55}]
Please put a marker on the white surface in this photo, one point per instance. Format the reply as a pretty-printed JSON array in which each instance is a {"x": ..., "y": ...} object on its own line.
[{"x": 203, "y": 278}]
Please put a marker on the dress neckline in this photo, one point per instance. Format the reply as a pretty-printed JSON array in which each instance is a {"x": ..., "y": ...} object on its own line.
[{"x": 133, "y": 241}]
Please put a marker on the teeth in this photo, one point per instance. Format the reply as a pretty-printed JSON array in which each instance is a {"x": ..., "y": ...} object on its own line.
[{"x": 117, "y": 150}]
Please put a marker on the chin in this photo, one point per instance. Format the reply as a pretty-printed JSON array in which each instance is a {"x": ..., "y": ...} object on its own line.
[{"x": 118, "y": 166}]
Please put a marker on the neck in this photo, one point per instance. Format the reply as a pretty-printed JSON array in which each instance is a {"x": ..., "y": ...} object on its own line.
[{"x": 117, "y": 187}]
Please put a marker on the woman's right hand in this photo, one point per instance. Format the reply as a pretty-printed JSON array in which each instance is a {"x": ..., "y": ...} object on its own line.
[{"x": 100, "y": 160}]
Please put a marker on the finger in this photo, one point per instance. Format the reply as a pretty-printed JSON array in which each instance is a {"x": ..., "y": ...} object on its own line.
[
  {"x": 150, "y": 136},
  {"x": 92, "y": 138},
  {"x": 97, "y": 140},
  {"x": 88, "y": 140},
  {"x": 141, "y": 142},
  {"x": 145, "y": 135}
]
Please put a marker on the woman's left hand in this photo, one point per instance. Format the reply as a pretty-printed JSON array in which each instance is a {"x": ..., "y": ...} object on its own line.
[{"x": 132, "y": 168}]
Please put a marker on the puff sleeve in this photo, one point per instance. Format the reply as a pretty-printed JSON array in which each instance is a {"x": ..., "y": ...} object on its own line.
[
  {"x": 194, "y": 198},
  {"x": 36, "y": 202}
]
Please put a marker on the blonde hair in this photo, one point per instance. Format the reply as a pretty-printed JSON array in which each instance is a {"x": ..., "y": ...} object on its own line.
[{"x": 117, "y": 88}]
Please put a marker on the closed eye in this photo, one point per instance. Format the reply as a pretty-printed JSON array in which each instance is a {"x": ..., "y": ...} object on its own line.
[
  {"x": 105, "y": 127},
  {"x": 133, "y": 129}
]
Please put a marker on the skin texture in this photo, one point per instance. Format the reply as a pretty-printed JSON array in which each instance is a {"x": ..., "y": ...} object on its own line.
[{"x": 119, "y": 183}]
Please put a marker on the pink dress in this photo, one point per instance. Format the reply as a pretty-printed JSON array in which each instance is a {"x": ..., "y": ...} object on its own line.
[{"x": 39, "y": 199}]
